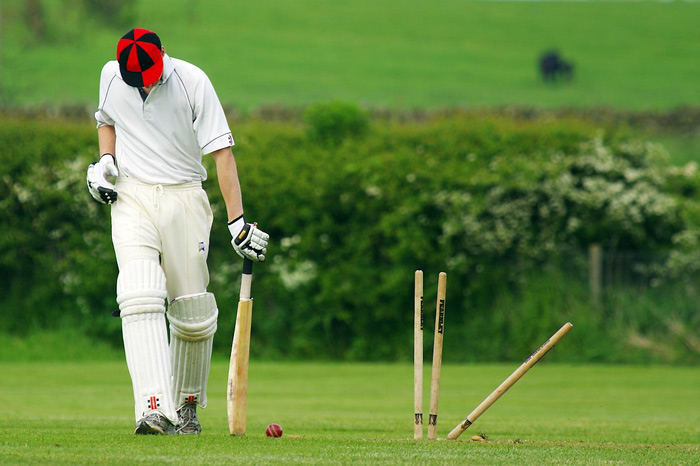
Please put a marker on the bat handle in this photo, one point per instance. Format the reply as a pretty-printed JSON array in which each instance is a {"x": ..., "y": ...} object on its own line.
[
  {"x": 246, "y": 278},
  {"x": 247, "y": 266}
]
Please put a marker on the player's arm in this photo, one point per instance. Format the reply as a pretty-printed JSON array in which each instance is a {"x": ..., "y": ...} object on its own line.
[
  {"x": 107, "y": 138},
  {"x": 228, "y": 182},
  {"x": 248, "y": 241},
  {"x": 101, "y": 189}
]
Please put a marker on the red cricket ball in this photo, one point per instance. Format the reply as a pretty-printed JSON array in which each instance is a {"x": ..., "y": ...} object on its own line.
[{"x": 274, "y": 430}]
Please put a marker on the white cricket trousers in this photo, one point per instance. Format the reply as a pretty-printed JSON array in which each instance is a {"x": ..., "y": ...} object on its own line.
[
  {"x": 167, "y": 224},
  {"x": 161, "y": 239}
]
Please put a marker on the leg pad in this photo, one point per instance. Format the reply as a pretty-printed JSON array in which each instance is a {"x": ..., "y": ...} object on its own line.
[
  {"x": 140, "y": 294},
  {"x": 192, "y": 326}
]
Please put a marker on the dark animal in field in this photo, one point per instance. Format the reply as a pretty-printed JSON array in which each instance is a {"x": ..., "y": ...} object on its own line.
[{"x": 554, "y": 68}]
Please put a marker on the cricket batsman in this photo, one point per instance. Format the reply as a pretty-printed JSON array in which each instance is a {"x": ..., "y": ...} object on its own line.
[{"x": 157, "y": 117}]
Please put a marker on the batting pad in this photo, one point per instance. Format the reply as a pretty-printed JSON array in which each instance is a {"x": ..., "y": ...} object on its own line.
[
  {"x": 192, "y": 326},
  {"x": 140, "y": 294}
]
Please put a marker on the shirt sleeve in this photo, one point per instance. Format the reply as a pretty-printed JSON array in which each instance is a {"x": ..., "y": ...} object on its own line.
[
  {"x": 210, "y": 125},
  {"x": 106, "y": 78}
]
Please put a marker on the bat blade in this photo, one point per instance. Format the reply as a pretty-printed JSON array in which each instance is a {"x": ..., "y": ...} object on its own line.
[
  {"x": 237, "y": 389},
  {"x": 238, "y": 370}
]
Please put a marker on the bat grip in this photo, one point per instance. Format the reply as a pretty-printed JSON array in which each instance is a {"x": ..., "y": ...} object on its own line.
[
  {"x": 246, "y": 279},
  {"x": 247, "y": 266}
]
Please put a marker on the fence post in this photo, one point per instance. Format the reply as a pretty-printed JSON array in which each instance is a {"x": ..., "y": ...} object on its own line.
[{"x": 595, "y": 272}]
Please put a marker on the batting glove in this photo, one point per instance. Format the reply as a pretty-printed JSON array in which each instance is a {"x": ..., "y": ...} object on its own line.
[
  {"x": 248, "y": 241},
  {"x": 102, "y": 190}
]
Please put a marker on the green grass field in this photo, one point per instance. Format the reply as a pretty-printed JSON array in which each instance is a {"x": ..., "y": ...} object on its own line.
[
  {"x": 67, "y": 413},
  {"x": 388, "y": 53}
]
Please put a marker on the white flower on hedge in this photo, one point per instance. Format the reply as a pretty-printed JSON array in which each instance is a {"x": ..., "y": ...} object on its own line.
[
  {"x": 70, "y": 173},
  {"x": 690, "y": 169},
  {"x": 288, "y": 242},
  {"x": 22, "y": 193},
  {"x": 373, "y": 191},
  {"x": 221, "y": 276},
  {"x": 633, "y": 175},
  {"x": 573, "y": 224},
  {"x": 293, "y": 276}
]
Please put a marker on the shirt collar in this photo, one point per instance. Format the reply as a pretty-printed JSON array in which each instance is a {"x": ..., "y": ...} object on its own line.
[{"x": 168, "y": 68}]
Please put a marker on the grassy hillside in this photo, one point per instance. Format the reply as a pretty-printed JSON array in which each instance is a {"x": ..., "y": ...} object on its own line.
[{"x": 393, "y": 53}]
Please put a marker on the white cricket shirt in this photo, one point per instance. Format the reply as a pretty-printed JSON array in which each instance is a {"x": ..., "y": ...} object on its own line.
[{"x": 161, "y": 140}]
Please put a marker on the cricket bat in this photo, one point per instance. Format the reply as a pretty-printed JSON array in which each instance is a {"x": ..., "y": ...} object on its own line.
[{"x": 237, "y": 393}]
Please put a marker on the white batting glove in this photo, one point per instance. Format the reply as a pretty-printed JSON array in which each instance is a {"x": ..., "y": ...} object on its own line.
[
  {"x": 248, "y": 241},
  {"x": 102, "y": 190}
]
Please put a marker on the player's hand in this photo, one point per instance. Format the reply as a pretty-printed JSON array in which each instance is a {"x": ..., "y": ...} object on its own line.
[
  {"x": 102, "y": 190},
  {"x": 248, "y": 241}
]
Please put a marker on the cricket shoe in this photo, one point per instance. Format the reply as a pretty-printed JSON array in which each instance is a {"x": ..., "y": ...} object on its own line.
[
  {"x": 154, "y": 424},
  {"x": 189, "y": 423}
]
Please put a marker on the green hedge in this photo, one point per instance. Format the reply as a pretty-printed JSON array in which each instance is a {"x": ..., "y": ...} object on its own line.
[{"x": 503, "y": 205}]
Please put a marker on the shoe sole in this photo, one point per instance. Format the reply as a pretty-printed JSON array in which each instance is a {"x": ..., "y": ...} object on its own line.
[
  {"x": 146, "y": 428},
  {"x": 190, "y": 428},
  {"x": 180, "y": 432}
]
